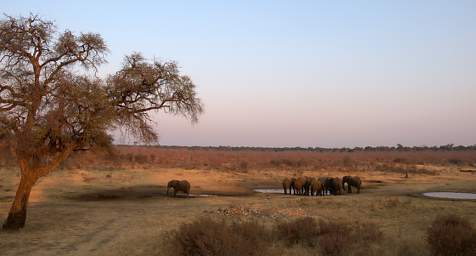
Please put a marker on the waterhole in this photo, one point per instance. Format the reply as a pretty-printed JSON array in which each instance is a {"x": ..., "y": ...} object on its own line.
[
  {"x": 451, "y": 195},
  {"x": 269, "y": 190}
]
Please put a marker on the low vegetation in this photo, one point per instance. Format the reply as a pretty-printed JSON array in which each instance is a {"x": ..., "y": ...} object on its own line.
[
  {"x": 303, "y": 230},
  {"x": 206, "y": 236},
  {"x": 447, "y": 236},
  {"x": 451, "y": 235}
]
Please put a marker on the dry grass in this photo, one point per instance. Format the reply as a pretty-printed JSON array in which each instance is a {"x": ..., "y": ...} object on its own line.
[
  {"x": 301, "y": 230},
  {"x": 451, "y": 235},
  {"x": 206, "y": 236},
  {"x": 243, "y": 160},
  {"x": 108, "y": 209}
]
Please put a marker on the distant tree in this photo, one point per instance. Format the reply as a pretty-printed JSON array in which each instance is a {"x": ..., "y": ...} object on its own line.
[{"x": 52, "y": 104}]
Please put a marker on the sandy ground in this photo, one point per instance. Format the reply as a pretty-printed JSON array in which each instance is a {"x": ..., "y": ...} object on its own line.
[{"x": 126, "y": 212}]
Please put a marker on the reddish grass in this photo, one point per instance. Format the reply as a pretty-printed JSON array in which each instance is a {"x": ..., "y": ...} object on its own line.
[{"x": 451, "y": 235}]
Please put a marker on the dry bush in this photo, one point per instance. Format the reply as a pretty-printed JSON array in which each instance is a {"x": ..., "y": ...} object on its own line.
[
  {"x": 243, "y": 166},
  {"x": 405, "y": 169},
  {"x": 399, "y": 160},
  {"x": 303, "y": 230},
  {"x": 455, "y": 161},
  {"x": 451, "y": 235},
  {"x": 141, "y": 159},
  {"x": 347, "y": 161},
  {"x": 209, "y": 237},
  {"x": 288, "y": 163},
  {"x": 337, "y": 238},
  {"x": 333, "y": 237},
  {"x": 408, "y": 247}
]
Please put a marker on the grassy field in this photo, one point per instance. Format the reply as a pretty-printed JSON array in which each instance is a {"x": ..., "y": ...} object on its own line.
[{"x": 121, "y": 208}]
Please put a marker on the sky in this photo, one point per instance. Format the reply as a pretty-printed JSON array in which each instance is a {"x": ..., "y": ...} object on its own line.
[{"x": 298, "y": 73}]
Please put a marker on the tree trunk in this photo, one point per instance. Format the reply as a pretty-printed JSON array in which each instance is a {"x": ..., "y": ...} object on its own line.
[{"x": 17, "y": 215}]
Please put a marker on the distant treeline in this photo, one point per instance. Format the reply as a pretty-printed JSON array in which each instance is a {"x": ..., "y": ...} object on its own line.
[{"x": 448, "y": 147}]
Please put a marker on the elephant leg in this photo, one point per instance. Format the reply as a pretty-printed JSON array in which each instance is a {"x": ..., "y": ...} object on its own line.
[{"x": 175, "y": 193}]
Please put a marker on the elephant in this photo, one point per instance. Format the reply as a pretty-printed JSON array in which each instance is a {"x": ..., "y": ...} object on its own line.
[
  {"x": 292, "y": 186},
  {"x": 299, "y": 185},
  {"x": 352, "y": 181},
  {"x": 286, "y": 185},
  {"x": 306, "y": 185},
  {"x": 316, "y": 187},
  {"x": 323, "y": 181},
  {"x": 179, "y": 185},
  {"x": 334, "y": 185}
]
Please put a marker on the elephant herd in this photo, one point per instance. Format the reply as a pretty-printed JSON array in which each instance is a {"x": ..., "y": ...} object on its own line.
[{"x": 320, "y": 186}]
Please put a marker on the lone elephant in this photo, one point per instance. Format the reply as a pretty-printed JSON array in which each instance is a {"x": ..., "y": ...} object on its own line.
[
  {"x": 179, "y": 185},
  {"x": 352, "y": 181}
]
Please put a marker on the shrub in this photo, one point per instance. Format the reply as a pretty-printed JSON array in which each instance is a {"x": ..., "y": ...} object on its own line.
[
  {"x": 399, "y": 160},
  {"x": 208, "y": 237},
  {"x": 288, "y": 163},
  {"x": 338, "y": 238},
  {"x": 367, "y": 233},
  {"x": 303, "y": 230},
  {"x": 243, "y": 166},
  {"x": 451, "y": 235},
  {"x": 347, "y": 161},
  {"x": 455, "y": 161},
  {"x": 333, "y": 237},
  {"x": 139, "y": 158}
]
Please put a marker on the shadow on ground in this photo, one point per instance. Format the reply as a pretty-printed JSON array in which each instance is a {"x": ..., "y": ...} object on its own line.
[
  {"x": 141, "y": 192},
  {"x": 124, "y": 193}
]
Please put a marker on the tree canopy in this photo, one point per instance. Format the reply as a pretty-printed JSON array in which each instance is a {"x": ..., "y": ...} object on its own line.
[{"x": 53, "y": 103}]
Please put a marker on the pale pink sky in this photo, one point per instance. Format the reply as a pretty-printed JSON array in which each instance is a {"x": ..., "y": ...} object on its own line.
[{"x": 299, "y": 73}]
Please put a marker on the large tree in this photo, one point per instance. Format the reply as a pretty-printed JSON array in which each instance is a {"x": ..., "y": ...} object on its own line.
[{"x": 52, "y": 102}]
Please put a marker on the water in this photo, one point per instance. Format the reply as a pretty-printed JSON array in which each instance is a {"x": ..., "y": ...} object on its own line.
[
  {"x": 269, "y": 190},
  {"x": 275, "y": 191},
  {"x": 451, "y": 195}
]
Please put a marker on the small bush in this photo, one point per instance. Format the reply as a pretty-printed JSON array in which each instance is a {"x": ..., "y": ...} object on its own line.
[
  {"x": 334, "y": 237},
  {"x": 243, "y": 166},
  {"x": 347, "y": 161},
  {"x": 451, "y": 235},
  {"x": 338, "y": 238},
  {"x": 288, "y": 163},
  {"x": 215, "y": 238},
  {"x": 367, "y": 233},
  {"x": 399, "y": 160},
  {"x": 139, "y": 158},
  {"x": 455, "y": 161},
  {"x": 408, "y": 248},
  {"x": 304, "y": 230}
]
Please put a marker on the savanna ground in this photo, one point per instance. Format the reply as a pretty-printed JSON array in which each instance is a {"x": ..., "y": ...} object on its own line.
[{"x": 116, "y": 204}]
